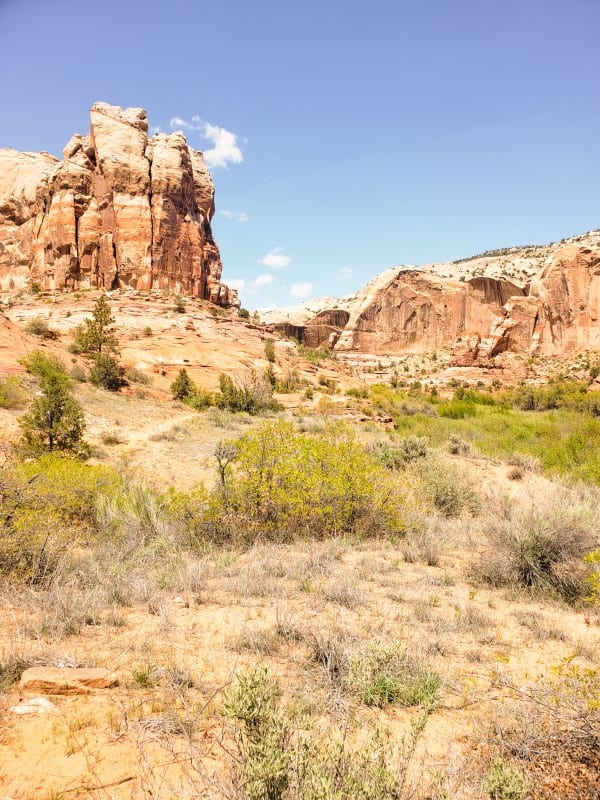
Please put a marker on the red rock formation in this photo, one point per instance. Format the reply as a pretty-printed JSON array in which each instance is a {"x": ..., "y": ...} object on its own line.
[
  {"x": 120, "y": 210},
  {"x": 477, "y": 318}
]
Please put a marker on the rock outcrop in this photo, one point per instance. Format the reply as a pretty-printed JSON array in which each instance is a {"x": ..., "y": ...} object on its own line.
[
  {"x": 476, "y": 313},
  {"x": 121, "y": 210}
]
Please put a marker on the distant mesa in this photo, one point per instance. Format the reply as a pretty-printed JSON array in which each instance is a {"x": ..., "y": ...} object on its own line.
[{"x": 121, "y": 210}]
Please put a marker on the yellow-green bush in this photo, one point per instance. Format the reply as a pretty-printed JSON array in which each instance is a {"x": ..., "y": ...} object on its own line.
[
  {"x": 283, "y": 483},
  {"x": 11, "y": 393},
  {"x": 48, "y": 507}
]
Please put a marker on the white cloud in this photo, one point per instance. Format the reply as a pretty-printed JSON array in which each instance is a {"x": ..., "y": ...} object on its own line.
[
  {"x": 238, "y": 216},
  {"x": 300, "y": 291},
  {"x": 263, "y": 280},
  {"x": 225, "y": 148},
  {"x": 276, "y": 259},
  {"x": 177, "y": 122},
  {"x": 236, "y": 283},
  {"x": 344, "y": 272},
  {"x": 155, "y": 129}
]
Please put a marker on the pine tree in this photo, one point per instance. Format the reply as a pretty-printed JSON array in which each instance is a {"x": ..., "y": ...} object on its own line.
[
  {"x": 97, "y": 337},
  {"x": 55, "y": 420},
  {"x": 183, "y": 386}
]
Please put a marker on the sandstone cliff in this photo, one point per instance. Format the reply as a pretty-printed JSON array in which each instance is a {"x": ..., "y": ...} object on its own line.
[
  {"x": 538, "y": 300},
  {"x": 121, "y": 210}
]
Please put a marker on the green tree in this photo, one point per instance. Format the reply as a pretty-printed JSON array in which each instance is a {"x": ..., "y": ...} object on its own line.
[
  {"x": 96, "y": 336},
  {"x": 107, "y": 373},
  {"x": 97, "y": 339},
  {"x": 183, "y": 386},
  {"x": 55, "y": 420}
]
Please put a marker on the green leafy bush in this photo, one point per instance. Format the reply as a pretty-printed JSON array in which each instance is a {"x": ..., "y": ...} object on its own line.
[{"x": 48, "y": 508}]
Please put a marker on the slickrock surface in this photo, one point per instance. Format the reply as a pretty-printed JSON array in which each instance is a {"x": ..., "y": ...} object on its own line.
[{"x": 121, "y": 210}]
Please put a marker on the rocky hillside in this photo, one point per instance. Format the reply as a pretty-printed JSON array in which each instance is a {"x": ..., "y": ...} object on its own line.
[
  {"x": 121, "y": 210},
  {"x": 536, "y": 300}
]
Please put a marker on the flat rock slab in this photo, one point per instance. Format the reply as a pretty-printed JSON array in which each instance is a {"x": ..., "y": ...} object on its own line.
[{"x": 66, "y": 680}]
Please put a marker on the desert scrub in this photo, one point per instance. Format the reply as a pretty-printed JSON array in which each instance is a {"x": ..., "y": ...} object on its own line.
[
  {"x": 263, "y": 742},
  {"x": 446, "y": 485},
  {"x": 385, "y": 674},
  {"x": 504, "y": 782},
  {"x": 281, "y": 755},
  {"x": 283, "y": 484},
  {"x": 541, "y": 548},
  {"x": 12, "y": 394},
  {"x": 251, "y": 392},
  {"x": 48, "y": 508}
]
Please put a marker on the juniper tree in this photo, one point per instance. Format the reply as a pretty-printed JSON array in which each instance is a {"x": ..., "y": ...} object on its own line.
[{"x": 55, "y": 420}]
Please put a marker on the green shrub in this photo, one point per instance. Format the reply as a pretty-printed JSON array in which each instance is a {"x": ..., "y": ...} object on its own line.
[
  {"x": 264, "y": 745},
  {"x": 270, "y": 350},
  {"x": 48, "y": 509},
  {"x": 386, "y": 675},
  {"x": 276, "y": 759},
  {"x": 107, "y": 373},
  {"x": 285, "y": 483},
  {"x": 243, "y": 313},
  {"x": 179, "y": 307},
  {"x": 252, "y": 393},
  {"x": 504, "y": 782},
  {"x": 43, "y": 365},
  {"x": 413, "y": 447},
  {"x": 11, "y": 393},
  {"x": 183, "y": 386},
  {"x": 201, "y": 400}
]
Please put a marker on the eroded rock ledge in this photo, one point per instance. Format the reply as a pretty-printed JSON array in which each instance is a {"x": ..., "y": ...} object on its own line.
[{"x": 121, "y": 210}]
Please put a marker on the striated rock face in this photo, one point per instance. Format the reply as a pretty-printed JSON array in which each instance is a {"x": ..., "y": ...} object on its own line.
[
  {"x": 120, "y": 210},
  {"x": 418, "y": 311},
  {"x": 478, "y": 315}
]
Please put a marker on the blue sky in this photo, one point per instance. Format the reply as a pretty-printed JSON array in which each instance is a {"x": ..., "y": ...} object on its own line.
[{"x": 346, "y": 137}]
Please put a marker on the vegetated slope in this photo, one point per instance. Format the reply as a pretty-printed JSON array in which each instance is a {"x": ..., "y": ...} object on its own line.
[{"x": 411, "y": 633}]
